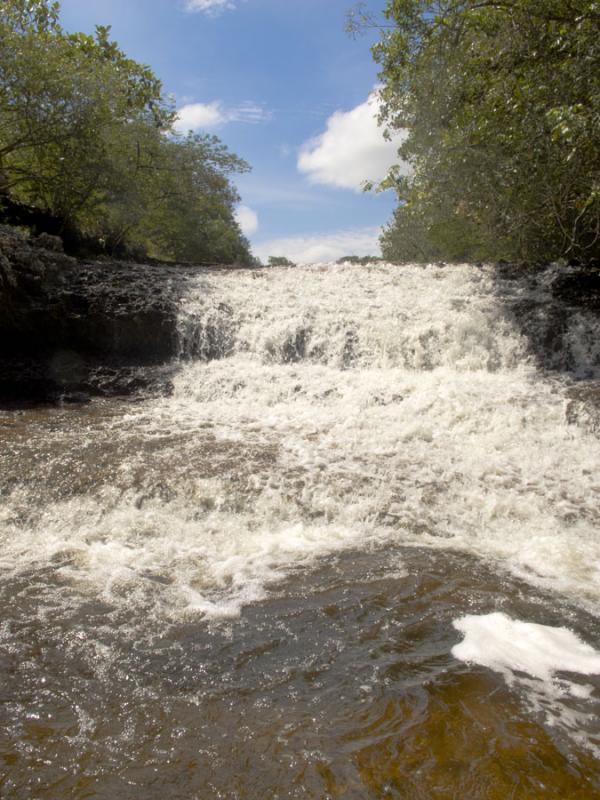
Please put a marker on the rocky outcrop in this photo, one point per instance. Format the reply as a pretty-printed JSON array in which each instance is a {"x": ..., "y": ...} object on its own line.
[
  {"x": 70, "y": 329},
  {"x": 557, "y": 310}
]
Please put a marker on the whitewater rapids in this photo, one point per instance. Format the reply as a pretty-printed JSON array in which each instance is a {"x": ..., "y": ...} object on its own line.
[
  {"x": 317, "y": 410},
  {"x": 354, "y": 554}
]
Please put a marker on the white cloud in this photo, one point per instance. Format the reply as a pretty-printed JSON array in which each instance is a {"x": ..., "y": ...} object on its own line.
[
  {"x": 199, "y": 115},
  {"x": 322, "y": 247},
  {"x": 247, "y": 219},
  {"x": 212, "y": 7},
  {"x": 248, "y": 112},
  {"x": 195, "y": 116},
  {"x": 351, "y": 150}
]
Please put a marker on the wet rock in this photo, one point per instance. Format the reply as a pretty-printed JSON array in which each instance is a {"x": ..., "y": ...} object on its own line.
[
  {"x": 578, "y": 286},
  {"x": 556, "y": 308},
  {"x": 48, "y": 242},
  {"x": 76, "y": 398},
  {"x": 295, "y": 346},
  {"x": 583, "y": 408},
  {"x": 70, "y": 328}
]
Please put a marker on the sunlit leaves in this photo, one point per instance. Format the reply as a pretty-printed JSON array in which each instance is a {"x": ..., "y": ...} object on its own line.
[
  {"x": 502, "y": 103},
  {"x": 86, "y": 135}
]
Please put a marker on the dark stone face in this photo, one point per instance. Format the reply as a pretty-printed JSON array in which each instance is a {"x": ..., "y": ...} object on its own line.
[
  {"x": 544, "y": 303},
  {"x": 78, "y": 328}
]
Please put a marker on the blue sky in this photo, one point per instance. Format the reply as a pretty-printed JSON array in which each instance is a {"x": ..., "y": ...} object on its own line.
[{"x": 282, "y": 84}]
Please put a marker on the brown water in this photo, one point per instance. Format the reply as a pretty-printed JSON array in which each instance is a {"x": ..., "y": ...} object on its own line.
[
  {"x": 248, "y": 590},
  {"x": 342, "y": 685}
]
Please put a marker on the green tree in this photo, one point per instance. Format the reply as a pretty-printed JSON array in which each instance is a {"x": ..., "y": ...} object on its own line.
[
  {"x": 501, "y": 103},
  {"x": 63, "y": 97},
  {"x": 86, "y": 135},
  {"x": 192, "y": 201},
  {"x": 360, "y": 260}
]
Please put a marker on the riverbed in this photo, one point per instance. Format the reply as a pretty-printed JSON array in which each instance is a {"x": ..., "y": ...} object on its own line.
[{"x": 354, "y": 554}]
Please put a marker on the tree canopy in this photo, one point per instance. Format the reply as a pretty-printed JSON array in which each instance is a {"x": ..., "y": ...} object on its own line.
[
  {"x": 500, "y": 100},
  {"x": 87, "y": 136},
  {"x": 280, "y": 261}
]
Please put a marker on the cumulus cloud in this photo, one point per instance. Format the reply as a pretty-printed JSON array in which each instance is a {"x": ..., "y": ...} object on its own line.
[
  {"x": 352, "y": 149},
  {"x": 322, "y": 247},
  {"x": 212, "y": 7},
  {"x": 197, "y": 116},
  {"x": 247, "y": 219}
]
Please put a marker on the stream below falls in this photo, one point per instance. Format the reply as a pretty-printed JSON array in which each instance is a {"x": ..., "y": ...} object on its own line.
[{"x": 355, "y": 554}]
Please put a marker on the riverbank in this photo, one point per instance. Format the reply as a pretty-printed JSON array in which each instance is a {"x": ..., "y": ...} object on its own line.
[{"x": 73, "y": 328}]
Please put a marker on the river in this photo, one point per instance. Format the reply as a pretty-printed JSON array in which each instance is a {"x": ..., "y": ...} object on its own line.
[{"x": 355, "y": 554}]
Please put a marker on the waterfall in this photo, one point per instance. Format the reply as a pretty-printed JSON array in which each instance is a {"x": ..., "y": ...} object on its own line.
[
  {"x": 354, "y": 553},
  {"x": 322, "y": 409}
]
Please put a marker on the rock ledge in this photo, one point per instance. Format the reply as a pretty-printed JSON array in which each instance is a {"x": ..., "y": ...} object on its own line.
[{"x": 71, "y": 329}]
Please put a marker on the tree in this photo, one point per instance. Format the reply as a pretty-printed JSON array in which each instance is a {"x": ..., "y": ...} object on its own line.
[
  {"x": 63, "y": 96},
  {"x": 86, "y": 135},
  {"x": 501, "y": 102},
  {"x": 280, "y": 261},
  {"x": 191, "y": 213},
  {"x": 360, "y": 260}
]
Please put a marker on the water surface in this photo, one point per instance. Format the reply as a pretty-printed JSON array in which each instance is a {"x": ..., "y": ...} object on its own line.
[{"x": 248, "y": 589}]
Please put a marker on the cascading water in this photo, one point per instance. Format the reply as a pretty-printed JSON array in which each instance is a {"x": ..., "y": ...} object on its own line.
[{"x": 352, "y": 460}]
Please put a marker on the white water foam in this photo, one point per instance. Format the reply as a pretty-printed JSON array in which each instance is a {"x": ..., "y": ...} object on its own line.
[
  {"x": 513, "y": 647},
  {"x": 508, "y": 646},
  {"x": 350, "y": 407}
]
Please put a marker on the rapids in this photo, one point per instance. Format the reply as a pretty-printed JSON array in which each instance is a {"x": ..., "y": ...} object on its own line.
[{"x": 248, "y": 588}]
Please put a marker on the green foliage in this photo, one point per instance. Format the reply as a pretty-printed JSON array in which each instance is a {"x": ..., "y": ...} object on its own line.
[
  {"x": 361, "y": 260},
  {"x": 86, "y": 135},
  {"x": 280, "y": 261},
  {"x": 501, "y": 103}
]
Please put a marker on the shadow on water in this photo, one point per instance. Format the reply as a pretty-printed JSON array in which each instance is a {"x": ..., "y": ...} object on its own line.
[{"x": 557, "y": 310}]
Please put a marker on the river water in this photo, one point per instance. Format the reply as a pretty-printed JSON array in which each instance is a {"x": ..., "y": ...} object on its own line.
[{"x": 354, "y": 555}]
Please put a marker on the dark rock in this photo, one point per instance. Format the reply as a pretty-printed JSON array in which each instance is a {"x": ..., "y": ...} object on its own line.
[
  {"x": 583, "y": 408},
  {"x": 555, "y": 307},
  {"x": 76, "y": 398},
  {"x": 71, "y": 328},
  {"x": 48, "y": 242},
  {"x": 578, "y": 286}
]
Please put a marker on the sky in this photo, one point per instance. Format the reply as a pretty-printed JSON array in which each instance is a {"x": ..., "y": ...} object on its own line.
[{"x": 285, "y": 88}]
